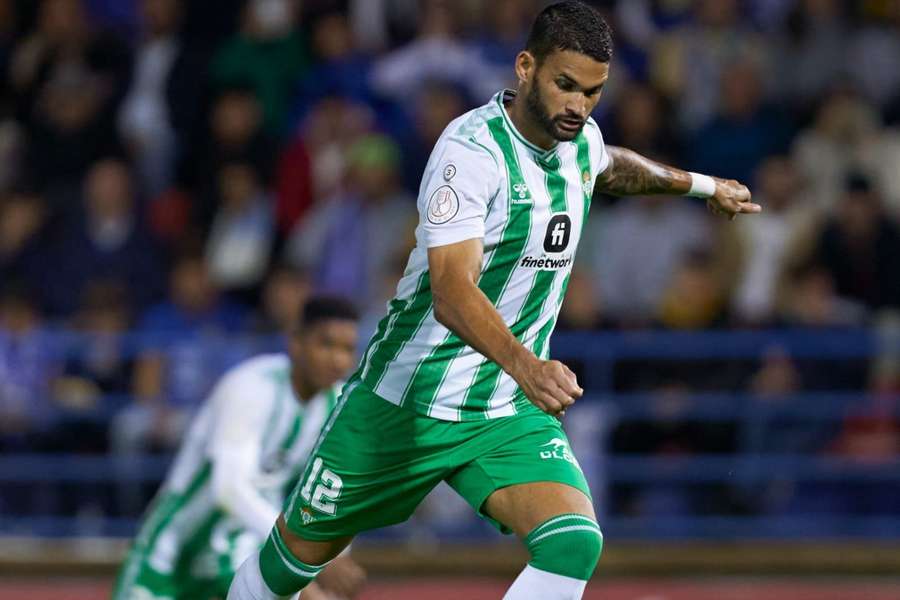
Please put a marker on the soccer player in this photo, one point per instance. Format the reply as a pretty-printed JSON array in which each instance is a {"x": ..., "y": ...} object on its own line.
[
  {"x": 456, "y": 384},
  {"x": 244, "y": 450}
]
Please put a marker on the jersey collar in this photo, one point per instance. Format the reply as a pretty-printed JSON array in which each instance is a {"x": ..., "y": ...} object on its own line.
[{"x": 543, "y": 155}]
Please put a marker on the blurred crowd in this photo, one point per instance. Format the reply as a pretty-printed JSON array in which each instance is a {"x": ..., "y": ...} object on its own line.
[{"x": 192, "y": 170}]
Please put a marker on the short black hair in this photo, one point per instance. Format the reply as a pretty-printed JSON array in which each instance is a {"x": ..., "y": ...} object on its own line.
[
  {"x": 324, "y": 308},
  {"x": 570, "y": 25}
]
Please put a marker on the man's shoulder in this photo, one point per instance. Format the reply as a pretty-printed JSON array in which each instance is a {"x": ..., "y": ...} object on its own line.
[
  {"x": 468, "y": 135},
  {"x": 258, "y": 370}
]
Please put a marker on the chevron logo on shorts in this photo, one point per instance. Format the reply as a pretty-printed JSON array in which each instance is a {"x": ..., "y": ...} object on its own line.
[{"x": 559, "y": 449}]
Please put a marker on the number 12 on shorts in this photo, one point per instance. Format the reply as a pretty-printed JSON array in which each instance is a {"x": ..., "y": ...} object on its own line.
[{"x": 327, "y": 490}]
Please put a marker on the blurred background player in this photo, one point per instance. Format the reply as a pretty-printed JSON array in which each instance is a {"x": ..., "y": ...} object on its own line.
[{"x": 243, "y": 451}]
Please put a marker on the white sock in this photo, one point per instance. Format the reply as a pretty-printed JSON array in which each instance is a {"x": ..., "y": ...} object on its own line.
[
  {"x": 534, "y": 584},
  {"x": 248, "y": 583}
]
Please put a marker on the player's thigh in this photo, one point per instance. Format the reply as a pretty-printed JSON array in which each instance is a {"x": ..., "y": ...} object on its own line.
[
  {"x": 527, "y": 475},
  {"x": 524, "y": 506},
  {"x": 373, "y": 465}
]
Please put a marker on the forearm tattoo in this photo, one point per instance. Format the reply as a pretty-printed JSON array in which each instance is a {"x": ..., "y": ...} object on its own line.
[{"x": 632, "y": 174}]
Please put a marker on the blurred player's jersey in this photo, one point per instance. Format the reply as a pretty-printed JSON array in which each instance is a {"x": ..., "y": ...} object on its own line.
[
  {"x": 188, "y": 543},
  {"x": 485, "y": 180}
]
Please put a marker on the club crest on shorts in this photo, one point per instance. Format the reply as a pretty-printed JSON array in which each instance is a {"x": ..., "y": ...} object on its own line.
[
  {"x": 306, "y": 516},
  {"x": 443, "y": 205}
]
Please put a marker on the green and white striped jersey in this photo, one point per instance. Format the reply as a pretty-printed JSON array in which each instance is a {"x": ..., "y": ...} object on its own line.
[
  {"x": 485, "y": 180},
  {"x": 242, "y": 454}
]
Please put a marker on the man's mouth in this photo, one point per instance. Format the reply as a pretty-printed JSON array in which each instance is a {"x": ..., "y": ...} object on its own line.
[{"x": 570, "y": 124}]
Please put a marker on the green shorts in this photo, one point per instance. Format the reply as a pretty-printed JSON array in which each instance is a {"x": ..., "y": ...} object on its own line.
[{"x": 375, "y": 462}]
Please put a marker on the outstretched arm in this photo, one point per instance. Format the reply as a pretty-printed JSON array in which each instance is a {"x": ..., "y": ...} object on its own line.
[{"x": 630, "y": 174}]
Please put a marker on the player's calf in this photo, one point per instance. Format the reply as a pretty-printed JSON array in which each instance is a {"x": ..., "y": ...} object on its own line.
[
  {"x": 276, "y": 573},
  {"x": 564, "y": 552}
]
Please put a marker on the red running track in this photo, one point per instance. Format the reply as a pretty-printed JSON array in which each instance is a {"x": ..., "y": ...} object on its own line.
[{"x": 491, "y": 589}]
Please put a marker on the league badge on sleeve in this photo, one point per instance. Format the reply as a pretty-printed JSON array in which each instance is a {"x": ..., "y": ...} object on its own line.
[
  {"x": 443, "y": 205},
  {"x": 449, "y": 171}
]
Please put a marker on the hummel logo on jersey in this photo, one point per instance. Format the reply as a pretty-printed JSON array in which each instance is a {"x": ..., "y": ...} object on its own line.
[
  {"x": 559, "y": 450},
  {"x": 558, "y": 231},
  {"x": 521, "y": 193}
]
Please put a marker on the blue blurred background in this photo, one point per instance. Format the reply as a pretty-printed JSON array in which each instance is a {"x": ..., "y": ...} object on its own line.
[{"x": 176, "y": 177}]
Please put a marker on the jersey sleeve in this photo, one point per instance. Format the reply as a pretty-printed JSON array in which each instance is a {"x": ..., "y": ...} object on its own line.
[
  {"x": 459, "y": 182},
  {"x": 235, "y": 449}
]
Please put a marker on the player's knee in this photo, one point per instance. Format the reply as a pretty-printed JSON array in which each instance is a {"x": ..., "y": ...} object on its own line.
[{"x": 567, "y": 545}]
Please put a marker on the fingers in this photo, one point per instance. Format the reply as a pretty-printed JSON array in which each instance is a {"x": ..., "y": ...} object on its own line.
[{"x": 731, "y": 199}]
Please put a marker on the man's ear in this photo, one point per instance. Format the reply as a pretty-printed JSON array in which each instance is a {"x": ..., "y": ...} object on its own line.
[{"x": 525, "y": 66}]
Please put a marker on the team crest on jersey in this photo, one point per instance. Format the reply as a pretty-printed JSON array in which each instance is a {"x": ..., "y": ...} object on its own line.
[
  {"x": 449, "y": 172},
  {"x": 443, "y": 205},
  {"x": 586, "y": 183},
  {"x": 520, "y": 193}
]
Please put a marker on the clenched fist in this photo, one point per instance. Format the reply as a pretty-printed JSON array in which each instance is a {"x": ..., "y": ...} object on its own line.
[{"x": 549, "y": 385}]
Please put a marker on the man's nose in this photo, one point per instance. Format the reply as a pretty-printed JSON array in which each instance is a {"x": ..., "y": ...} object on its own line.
[{"x": 577, "y": 106}]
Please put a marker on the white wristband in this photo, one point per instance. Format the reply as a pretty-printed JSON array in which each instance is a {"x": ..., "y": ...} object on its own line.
[{"x": 702, "y": 186}]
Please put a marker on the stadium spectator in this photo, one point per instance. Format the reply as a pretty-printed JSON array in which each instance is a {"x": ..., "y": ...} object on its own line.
[
  {"x": 144, "y": 120},
  {"x": 437, "y": 53},
  {"x": 333, "y": 125},
  {"x": 873, "y": 53},
  {"x": 27, "y": 365},
  {"x": 634, "y": 248},
  {"x": 236, "y": 134},
  {"x": 845, "y": 138},
  {"x": 108, "y": 240},
  {"x": 268, "y": 53},
  {"x": 96, "y": 375},
  {"x": 338, "y": 67},
  {"x": 763, "y": 245},
  {"x": 502, "y": 35},
  {"x": 744, "y": 131},
  {"x": 293, "y": 185},
  {"x": 240, "y": 239},
  {"x": 860, "y": 246},
  {"x": 67, "y": 81},
  {"x": 24, "y": 237},
  {"x": 812, "y": 51},
  {"x": 351, "y": 240},
  {"x": 696, "y": 55},
  {"x": 694, "y": 297},
  {"x": 640, "y": 122},
  {"x": 810, "y": 300}
]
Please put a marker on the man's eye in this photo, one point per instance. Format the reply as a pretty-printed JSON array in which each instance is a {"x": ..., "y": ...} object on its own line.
[{"x": 564, "y": 85}]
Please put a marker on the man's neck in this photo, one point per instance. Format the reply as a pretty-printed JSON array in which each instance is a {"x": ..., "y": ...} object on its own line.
[
  {"x": 531, "y": 131},
  {"x": 304, "y": 390}
]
